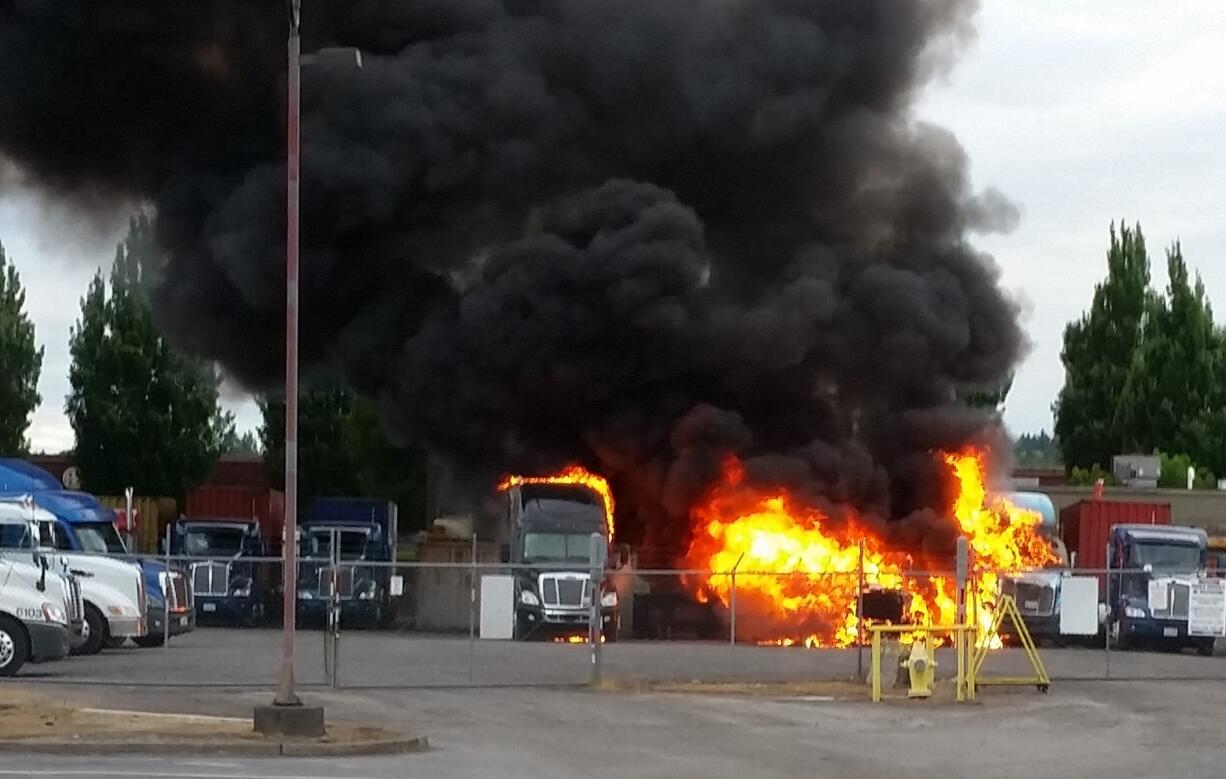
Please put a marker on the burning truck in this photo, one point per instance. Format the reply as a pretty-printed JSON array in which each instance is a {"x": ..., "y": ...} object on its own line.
[{"x": 551, "y": 521}]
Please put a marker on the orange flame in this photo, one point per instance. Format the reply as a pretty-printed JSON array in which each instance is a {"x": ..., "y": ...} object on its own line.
[
  {"x": 798, "y": 568},
  {"x": 571, "y": 474}
]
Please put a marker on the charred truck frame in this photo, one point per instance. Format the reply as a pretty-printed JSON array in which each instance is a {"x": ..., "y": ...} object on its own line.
[{"x": 551, "y": 526}]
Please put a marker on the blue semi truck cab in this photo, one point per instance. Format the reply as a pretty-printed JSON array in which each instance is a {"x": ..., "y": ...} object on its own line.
[
  {"x": 227, "y": 585},
  {"x": 359, "y": 535},
  {"x": 1148, "y": 599},
  {"x": 85, "y": 525}
]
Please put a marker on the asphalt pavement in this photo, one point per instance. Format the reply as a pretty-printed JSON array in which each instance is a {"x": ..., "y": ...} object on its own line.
[
  {"x": 250, "y": 658},
  {"x": 1089, "y": 730}
]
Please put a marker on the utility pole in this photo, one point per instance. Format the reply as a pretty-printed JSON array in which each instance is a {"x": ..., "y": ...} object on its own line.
[
  {"x": 286, "y": 696},
  {"x": 287, "y": 715}
]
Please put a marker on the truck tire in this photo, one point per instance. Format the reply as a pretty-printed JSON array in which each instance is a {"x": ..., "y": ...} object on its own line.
[
  {"x": 150, "y": 641},
  {"x": 14, "y": 646},
  {"x": 95, "y": 632},
  {"x": 114, "y": 642}
]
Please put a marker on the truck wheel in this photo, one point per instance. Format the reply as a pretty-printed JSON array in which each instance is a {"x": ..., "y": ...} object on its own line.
[
  {"x": 150, "y": 641},
  {"x": 114, "y": 642},
  {"x": 94, "y": 631},
  {"x": 14, "y": 646}
]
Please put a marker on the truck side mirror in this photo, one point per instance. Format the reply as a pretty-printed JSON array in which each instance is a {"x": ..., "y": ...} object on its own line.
[{"x": 504, "y": 553}]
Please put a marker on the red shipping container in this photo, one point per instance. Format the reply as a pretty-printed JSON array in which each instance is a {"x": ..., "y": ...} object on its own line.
[
  {"x": 268, "y": 506},
  {"x": 1086, "y": 525}
]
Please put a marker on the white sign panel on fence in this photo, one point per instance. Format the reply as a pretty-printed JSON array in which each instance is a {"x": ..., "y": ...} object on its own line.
[
  {"x": 497, "y": 607},
  {"x": 1079, "y": 605},
  {"x": 1207, "y": 608}
]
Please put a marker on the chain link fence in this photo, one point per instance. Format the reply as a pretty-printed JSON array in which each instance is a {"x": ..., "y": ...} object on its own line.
[{"x": 480, "y": 622}]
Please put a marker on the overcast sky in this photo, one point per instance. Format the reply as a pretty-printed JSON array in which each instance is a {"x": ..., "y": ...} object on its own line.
[{"x": 1081, "y": 112}]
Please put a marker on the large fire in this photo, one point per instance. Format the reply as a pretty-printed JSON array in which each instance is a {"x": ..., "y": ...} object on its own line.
[
  {"x": 798, "y": 570},
  {"x": 571, "y": 474}
]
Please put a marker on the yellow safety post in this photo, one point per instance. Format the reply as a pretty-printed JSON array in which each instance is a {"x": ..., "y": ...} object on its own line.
[
  {"x": 1040, "y": 679},
  {"x": 875, "y": 666}
]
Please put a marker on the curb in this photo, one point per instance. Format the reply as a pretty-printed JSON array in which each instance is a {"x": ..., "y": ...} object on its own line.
[{"x": 388, "y": 746}]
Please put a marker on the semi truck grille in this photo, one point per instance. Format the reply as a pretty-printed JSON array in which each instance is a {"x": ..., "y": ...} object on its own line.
[
  {"x": 1033, "y": 599},
  {"x": 210, "y": 578},
  {"x": 344, "y": 581},
  {"x": 75, "y": 610},
  {"x": 569, "y": 591},
  {"x": 1176, "y": 607},
  {"x": 178, "y": 596}
]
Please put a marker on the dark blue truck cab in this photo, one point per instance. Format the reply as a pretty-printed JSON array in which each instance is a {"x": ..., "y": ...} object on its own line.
[
  {"x": 228, "y": 587},
  {"x": 1148, "y": 598},
  {"x": 551, "y": 540},
  {"x": 359, "y": 535}
]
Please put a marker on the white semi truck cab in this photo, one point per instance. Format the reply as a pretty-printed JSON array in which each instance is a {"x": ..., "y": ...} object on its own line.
[
  {"x": 112, "y": 591},
  {"x": 35, "y": 606}
]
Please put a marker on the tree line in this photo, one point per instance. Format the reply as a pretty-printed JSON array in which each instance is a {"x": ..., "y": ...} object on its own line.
[
  {"x": 1145, "y": 371},
  {"x": 148, "y": 415}
]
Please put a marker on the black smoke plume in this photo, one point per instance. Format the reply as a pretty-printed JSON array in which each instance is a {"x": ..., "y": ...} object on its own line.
[{"x": 633, "y": 233}]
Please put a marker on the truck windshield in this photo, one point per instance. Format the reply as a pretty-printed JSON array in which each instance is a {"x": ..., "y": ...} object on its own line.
[
  {"x": 1166, "y": 557},
  {"x": 557, "y": 547},
  {"x": 99, "y": 537},
  {"x": 352, "y": 543},
  {"x": 16, "y": 536},
  {"x": 204, "y": 541}
]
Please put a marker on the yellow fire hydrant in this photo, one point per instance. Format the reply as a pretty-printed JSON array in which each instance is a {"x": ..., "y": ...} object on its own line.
[{"x": 922, "y": 667}]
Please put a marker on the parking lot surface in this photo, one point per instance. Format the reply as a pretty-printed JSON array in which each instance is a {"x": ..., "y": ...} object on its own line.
[
  {"x": 249, "y": 658},
  {"x": 1090, "y": 730}
]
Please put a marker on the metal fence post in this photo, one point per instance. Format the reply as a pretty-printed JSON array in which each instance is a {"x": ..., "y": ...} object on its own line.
[
  {"x": 732, "y": 603},
  {"x": 596, "y": 555},
  {"x": 1107, "y": 624},
  {"x": 472, "y": 608},
  {"x": 336, "y": 609},
  {"x": 167, "y": 589}
]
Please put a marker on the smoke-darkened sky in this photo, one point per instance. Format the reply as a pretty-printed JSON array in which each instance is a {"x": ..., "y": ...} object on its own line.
[{"x": 736, "y": 230}]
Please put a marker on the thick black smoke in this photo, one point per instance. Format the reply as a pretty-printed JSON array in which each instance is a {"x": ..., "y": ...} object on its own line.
[{"x": 635, "y": 233}]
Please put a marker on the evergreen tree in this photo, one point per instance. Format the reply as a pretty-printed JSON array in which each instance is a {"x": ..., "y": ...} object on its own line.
[
  {"x": 145, "y": 415},
  {"x": 1098, "y": 355},
  {"x": 21, "y": 359}
]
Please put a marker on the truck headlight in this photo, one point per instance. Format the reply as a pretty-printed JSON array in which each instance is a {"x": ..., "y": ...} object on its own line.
[
  {"x": 528, "y": 598},
  {"x": 1134, "y": 612},
  {"x": 368, "y": 591},
  {"x": 306, "y": 595},
  {"x": 242, "y": 588},
  {"x": 609, "y": 599},
  {"x": 53, "y": 613}
]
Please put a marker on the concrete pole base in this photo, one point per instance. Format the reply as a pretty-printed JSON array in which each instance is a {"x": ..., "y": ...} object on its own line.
[{"x": 300, "y": 721}]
